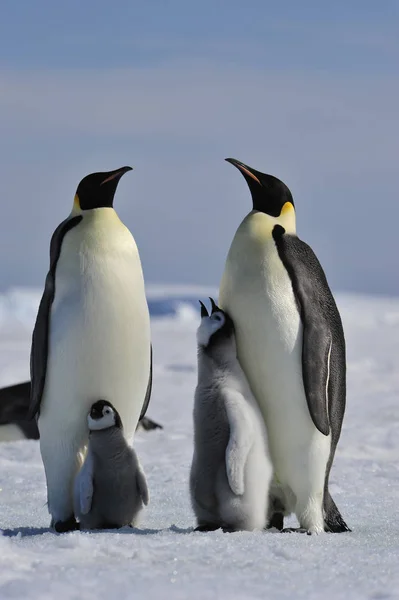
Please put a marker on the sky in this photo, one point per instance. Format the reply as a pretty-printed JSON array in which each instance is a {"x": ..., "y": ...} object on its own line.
[{"x": 306, "y": 91}]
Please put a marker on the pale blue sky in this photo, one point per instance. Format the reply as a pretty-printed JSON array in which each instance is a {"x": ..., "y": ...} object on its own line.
[{"x": 304, "y": 90}]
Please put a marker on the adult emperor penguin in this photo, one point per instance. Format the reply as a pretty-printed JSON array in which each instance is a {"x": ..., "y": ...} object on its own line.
[
  {"x": 291, "y": 345},
  {"x": 91, "y": 338}
]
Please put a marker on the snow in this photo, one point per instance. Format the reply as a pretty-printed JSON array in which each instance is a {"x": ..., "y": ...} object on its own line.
[{"x": 164, "y": 558}]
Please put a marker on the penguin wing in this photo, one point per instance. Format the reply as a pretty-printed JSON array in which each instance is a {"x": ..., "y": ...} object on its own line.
[
  {"x": 240, "y": 441},
  {"x": 320, "y": 320},
  {"x": 84, "y": 486},
  {"x": 39, "y": 349},
  {"x": 142, "y": 485},
  {"x": 149, "y": 389}
]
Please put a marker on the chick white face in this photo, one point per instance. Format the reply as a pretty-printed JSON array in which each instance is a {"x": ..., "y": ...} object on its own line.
[
  {"x": 208, "y": 327},
  {"x": 210, "y": 324},
  {"x": 102, "y": 416}
]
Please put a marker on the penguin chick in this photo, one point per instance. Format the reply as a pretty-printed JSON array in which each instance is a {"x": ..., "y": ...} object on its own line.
[
  {"x": 231, "y": 469},
  {"x": 110, "y": 489}
]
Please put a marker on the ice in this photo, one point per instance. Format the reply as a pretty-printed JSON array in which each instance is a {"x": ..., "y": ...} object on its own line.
[{"x": 164, "y": 558}]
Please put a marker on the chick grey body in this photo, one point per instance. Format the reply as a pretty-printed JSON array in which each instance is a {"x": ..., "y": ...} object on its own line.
[
  {"x": 231, "y": 469},
  {"x": 110, "y": 489}
]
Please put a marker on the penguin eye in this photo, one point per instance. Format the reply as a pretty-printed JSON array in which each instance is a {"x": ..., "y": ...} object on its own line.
[
  {"x": 217, "y": 317},
  {"x": 107, "y": 411}
]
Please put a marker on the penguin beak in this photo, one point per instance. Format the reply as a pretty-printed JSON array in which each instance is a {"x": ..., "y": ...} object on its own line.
[
  {"x": 245, "y": 170},
  {"x": 96, "y": 413},
  {"x": 204, "y": 312},
  {"x": 215, "y": 308},
  {"x": 117, "y": 174}
]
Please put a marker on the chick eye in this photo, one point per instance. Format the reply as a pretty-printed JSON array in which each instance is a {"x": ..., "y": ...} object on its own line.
[
  {"x": 107, "y": 411},
  {"x": 217, "y": 318}
]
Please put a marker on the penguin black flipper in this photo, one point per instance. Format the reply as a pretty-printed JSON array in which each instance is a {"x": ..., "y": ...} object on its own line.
[
  {"x": 39, "y": 350},
  {"x": 323, "y": 353},
  {"x": 149, "y": 389}
]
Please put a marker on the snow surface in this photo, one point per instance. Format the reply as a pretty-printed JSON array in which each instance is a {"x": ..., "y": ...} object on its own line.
[{"x": 164, "y": 558}]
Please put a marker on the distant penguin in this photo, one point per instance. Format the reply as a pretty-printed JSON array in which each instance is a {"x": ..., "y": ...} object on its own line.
[
  {"x": 14, "y": 404},
  {"x": 110, "y": 489},
  {"x": 91, "y": 338},
  {"x": 291, "y": 346},
  {"x": 14, "y": 422},
  {"x": 231, "y": 469}
]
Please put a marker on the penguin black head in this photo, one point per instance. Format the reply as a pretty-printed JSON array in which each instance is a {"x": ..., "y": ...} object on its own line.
[
  {"x": 97, "y": 190},
  {"x": 103, "y": 415},
  {"x": 215, "y": 328},
  {"x": 269, "y": 194}
]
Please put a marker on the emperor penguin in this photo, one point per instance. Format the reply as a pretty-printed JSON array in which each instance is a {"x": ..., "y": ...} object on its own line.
[
  {"x": 91, "y": 338},
  {"x": 110, "y": 490},
  {"x": 14, "y": 404},
  {"x": 291, "y": 345},
  {"x": 231, "y": 469}
]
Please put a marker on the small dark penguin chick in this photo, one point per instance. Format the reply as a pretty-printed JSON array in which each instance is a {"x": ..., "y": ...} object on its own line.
[{"x": 110, "y": 489}]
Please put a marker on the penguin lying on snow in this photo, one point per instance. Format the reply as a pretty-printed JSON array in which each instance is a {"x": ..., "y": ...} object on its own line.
[
  {"x": 14, "y": 424},
  {"x": 110, "y": 489},
  {"x": 291, "y": 346},
  {"x": 231, "y": 469}
]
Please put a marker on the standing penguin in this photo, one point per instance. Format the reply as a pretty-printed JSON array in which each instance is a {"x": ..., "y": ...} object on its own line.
[
  {"x": 291, "y": 346},
  {"x": 110, "y": 489},
  {"x": 91, "y": 338},
  {"x": 231, "y": 469}
]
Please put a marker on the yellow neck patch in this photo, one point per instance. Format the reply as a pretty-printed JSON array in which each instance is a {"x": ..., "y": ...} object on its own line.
[
  {"x": 76, "y": 204},
  {"x": 259, "y": 225}
]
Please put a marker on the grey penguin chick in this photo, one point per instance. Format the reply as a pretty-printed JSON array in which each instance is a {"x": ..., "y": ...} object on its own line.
[
  {"x": 110, "y": 489},
  {"x": 231, "y": 470}
]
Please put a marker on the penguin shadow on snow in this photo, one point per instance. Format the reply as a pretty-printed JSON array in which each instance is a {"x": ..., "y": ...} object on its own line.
[{"x": 24, "y": 531}]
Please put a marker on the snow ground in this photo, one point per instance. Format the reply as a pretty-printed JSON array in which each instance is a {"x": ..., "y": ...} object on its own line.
[{"x": 164, "y": 558}]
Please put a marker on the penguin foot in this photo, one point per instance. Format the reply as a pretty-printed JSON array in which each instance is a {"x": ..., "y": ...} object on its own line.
[
  {"x": 296, "y": 530},
  {"x": 207, "y": 527},
  {"x": 276, "y": 521},
  {"x": 63, "y": 526},
  {"x": 228, "y": 529}
]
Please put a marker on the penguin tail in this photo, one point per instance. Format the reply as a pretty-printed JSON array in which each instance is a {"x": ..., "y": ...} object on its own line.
[{"x": 333, "y": 521}]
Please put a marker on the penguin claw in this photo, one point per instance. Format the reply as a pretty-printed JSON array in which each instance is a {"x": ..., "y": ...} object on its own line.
[{"x": 296, "y": 530}]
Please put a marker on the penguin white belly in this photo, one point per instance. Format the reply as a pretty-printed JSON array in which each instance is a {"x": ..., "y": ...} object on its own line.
[
  {"x": 257, "y": 292},
  {"x": 99, "y": 344}
]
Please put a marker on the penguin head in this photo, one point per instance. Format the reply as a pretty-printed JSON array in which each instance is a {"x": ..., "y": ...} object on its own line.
[
  {"x": 97, "y": 190},
  {"x": 103, "y": 415},
  {"x": 216, "y": 328},
  {"x": 270, "y": 196}
]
